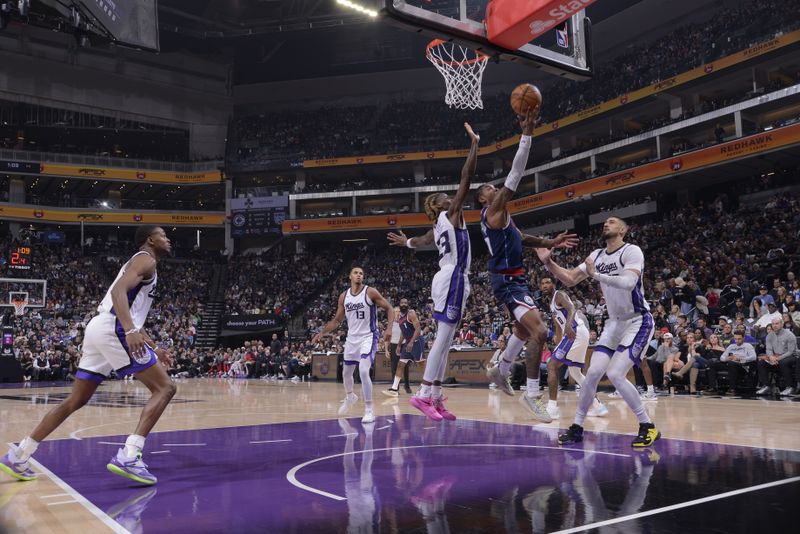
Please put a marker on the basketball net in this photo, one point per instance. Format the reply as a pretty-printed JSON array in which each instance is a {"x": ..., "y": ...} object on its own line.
[
  {"x": 462, "y": 69},
  {"x": 19, "y": 306}
]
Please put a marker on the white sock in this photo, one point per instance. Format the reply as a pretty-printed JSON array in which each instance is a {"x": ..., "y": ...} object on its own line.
[
  {"x": 651, "y": 389},
  {"x": 25, "y": 450},
  {"x": 425, "y": 391},
  {"x": 396, "y": 383},
  {"x": 552, "y": 404},
  {"x": 513, "y": 348},
  {"x": 533, "y": 387},
  {"x": 436, "y": 391},
  {"x": 134, "y": 445}
]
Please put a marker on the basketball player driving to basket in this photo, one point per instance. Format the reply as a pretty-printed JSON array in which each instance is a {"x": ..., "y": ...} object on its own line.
[
  {"x": 115, "y": 339},
  {"x": 508, "y": 274}
]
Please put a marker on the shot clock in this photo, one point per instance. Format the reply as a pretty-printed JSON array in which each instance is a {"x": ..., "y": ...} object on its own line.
[{"x": 20, "y": 258}]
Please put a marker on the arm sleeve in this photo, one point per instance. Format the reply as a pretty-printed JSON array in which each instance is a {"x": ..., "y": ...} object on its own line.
[
  {"x": 790, "y": 349},
  {"x": 771, "y": 345},
  {"x": 626, "y": 280},
  {"x": 750, "y": 353},
  {"x": 593, "y": 255},
  {"x": 519, "y": 163}
]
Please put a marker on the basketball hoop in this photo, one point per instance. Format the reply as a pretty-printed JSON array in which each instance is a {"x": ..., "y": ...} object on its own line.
[
  {"x": 462, "y": 69},
  {"x": 19, "y": 305}
]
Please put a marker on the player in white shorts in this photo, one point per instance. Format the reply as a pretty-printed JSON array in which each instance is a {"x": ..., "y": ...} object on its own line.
[
  {"x": 450, "y": 287},
  {"x": 115, "y": 340},
  {"x": 618, "y": 268},
  {"x": 359, "y": 306},
  {"x": 572, "y": 334}
]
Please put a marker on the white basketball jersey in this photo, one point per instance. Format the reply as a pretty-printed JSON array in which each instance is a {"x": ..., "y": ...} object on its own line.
[
  {"x": 453, "y": 244},
  {"x": 560, "y": 315},
  {"x": 361, "y": 314},
  {"x": 621, "y": 302},
  {"x": 140, "y": 298}
]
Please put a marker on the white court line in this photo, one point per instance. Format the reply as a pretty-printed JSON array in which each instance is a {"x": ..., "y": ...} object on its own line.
[
  {"x": 270, "y": 441},
  {"x": 158, "y": 452},
  {"x": 94, "y": 510},
  {"x": 71, "y": 501},
  {"x": 679, "y": 505},
  {"x": 428, "y": 427},
  {"x": 344, "y": 435},
  {"x": 54, "y": 495},
  {"x": 109, "y": 443},
  {"x": 384, "y": 427},
  {"x": 184, "y": 445},
  {"x": 291, "y": 475}
]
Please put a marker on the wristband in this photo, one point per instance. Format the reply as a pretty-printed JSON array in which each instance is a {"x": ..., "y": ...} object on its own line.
[
  {"x": 408, "y": 243},
  {"x": 131, "y": 331}
]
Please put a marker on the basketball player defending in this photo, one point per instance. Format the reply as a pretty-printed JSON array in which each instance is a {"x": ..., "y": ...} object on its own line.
[
  {"x": 572, "y": 333},
  {"x": 450, "y": 287},
  {"x": 618, "y": 268},
  {"x": 411, "y": 345},
  {"x": 115, "y": 340},
  {"x": 359, "y": 306},
  {"x": 507, "y": 275}
]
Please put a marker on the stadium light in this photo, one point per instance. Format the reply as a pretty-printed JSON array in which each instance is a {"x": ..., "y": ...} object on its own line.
[{"x": 357, "y": 7}]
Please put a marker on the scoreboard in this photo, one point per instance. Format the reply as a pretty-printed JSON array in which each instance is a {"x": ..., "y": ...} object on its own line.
[
  {"x": 254, "y": 216},
  {"x": 20, "y": 258}
]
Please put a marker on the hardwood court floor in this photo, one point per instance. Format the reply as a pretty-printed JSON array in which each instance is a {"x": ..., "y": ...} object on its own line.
[{"x": 256, "y": 456}]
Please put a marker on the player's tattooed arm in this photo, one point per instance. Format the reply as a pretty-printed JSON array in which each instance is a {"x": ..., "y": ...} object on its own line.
[
  {"x": 563, "y": 301},
  {"x": 562, "y": 240}
]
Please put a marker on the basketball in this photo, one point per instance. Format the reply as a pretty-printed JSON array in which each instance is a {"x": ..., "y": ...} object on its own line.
[{"x": 525, "y": 96}]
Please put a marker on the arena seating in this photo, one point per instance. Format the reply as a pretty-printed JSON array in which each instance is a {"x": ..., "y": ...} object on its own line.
[{"x": 412, "y": 126}]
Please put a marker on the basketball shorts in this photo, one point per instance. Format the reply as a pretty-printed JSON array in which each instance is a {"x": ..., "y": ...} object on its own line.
[
  {"x": 513, "y": 292},
  {"x": 105, "y": 350},
  {"x": 357, "y": 349},
  {"x": 573, "y": 351},
  {"x": 416, "y": 353},
  {"x": 449, "y": 291},
  {"x": 629, "y": 336}
]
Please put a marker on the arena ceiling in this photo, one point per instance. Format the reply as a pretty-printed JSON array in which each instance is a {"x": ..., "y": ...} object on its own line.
[{"x": 271, "y": 40}]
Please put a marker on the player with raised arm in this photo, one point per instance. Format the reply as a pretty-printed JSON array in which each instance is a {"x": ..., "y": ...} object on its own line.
[
  {"x": 572, "y": 338},
  {"x": 508, "y": 275},
  {"x": 411, "y": 345},
  {"x": 450, "y": 287},
  {"x": 359, "y": 306},
  {"x": 618, "y": 268},
  {"x": 115, "y": 340}
]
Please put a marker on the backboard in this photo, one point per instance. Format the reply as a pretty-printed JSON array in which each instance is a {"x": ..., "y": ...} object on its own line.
[
  {"x": 564, "y": 53},
  {"x": 34, "y": 290}
]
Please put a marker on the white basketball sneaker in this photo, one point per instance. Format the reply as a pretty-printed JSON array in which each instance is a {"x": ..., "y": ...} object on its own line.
[{"x": 349, "y": 400}]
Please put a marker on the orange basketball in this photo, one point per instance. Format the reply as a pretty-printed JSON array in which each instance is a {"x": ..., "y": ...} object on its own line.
[{"x": 525, "y": 96}]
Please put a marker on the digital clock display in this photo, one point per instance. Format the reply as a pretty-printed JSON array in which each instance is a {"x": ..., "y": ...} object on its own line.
[{"x": 20, "y": 258}]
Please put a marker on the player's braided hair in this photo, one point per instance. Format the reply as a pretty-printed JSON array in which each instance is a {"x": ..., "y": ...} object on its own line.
[{"x": 430, "y": 209}]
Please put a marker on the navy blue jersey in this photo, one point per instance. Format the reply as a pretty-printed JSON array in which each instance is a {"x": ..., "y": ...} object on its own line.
[
  {"x": 505, "y": 246},
  {"x": 406, "y": 327}
]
